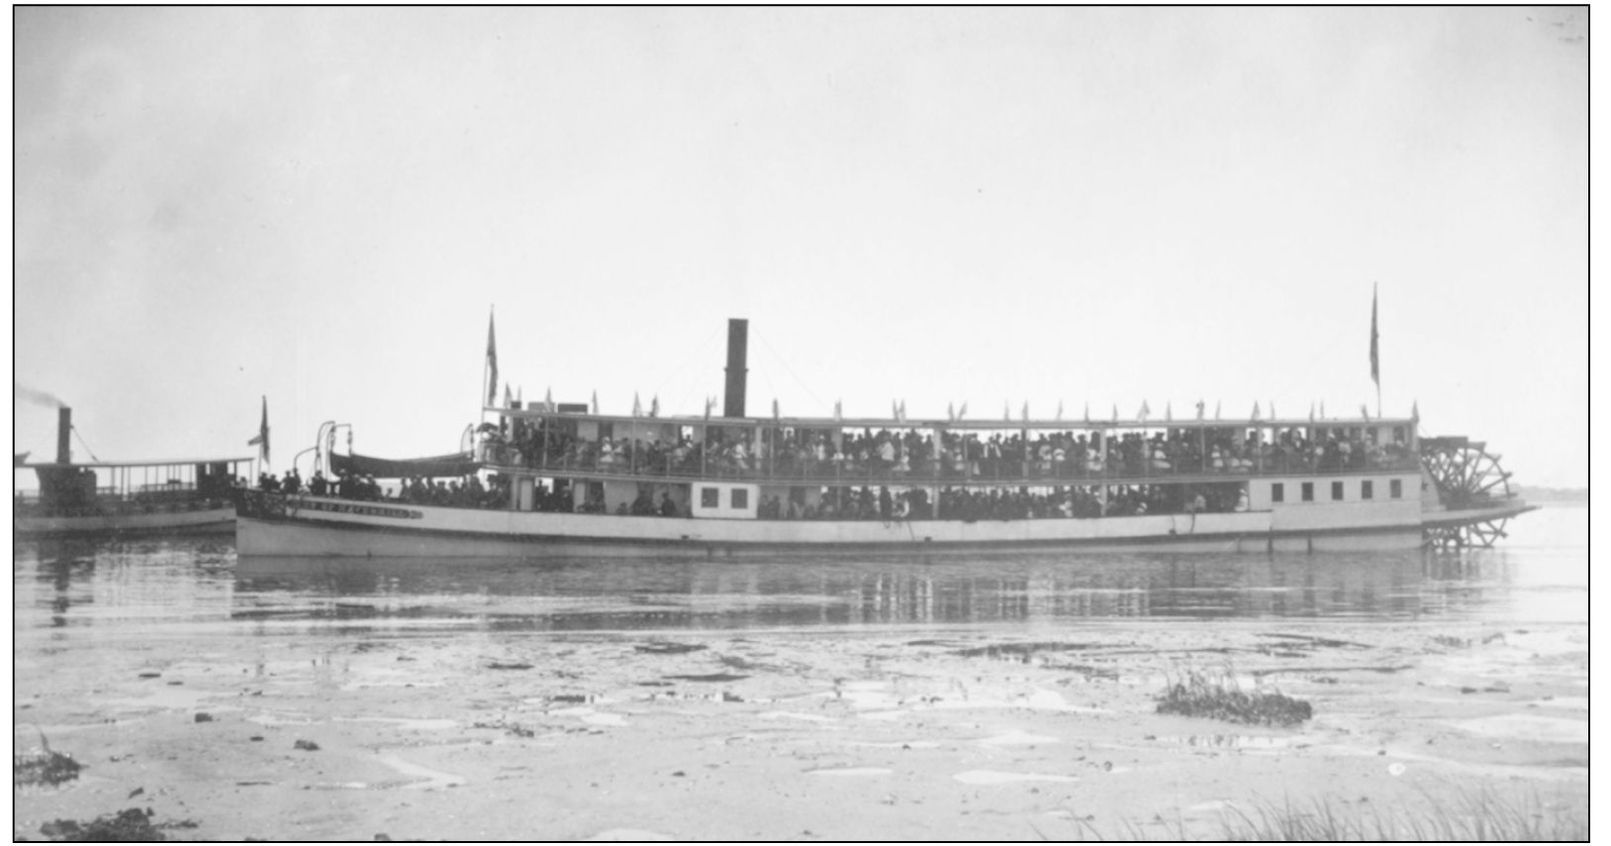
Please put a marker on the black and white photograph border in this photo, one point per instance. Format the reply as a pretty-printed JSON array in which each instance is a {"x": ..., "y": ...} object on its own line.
[{"x": 843, "y": 424}]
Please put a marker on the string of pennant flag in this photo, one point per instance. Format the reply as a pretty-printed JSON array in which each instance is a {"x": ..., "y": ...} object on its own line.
[{"x": 953, "y": 412}]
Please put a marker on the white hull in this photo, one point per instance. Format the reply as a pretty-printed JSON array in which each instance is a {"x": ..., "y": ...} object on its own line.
[
  {"x": 156, "y": 523},
  {"x": 323, "y": 527}
]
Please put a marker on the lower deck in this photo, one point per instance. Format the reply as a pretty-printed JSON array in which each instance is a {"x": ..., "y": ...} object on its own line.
[{"x": 319, "y": 526}]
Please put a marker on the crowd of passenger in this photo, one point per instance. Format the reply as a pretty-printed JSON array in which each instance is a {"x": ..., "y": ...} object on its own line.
[
  {"x": 790, "y": 453},
  {"x": 996, "y": 503},
  {"x": 830, "y": 503},
  {"x": 469, "y": 492},
  {"x": 905, "y": 457}
]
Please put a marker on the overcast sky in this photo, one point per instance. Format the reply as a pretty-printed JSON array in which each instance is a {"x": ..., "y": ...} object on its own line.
[{"x": 992, "y": 206}]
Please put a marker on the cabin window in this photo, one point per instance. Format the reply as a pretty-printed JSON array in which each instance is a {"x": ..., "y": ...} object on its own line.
[
  {"x": 1278, "y": 492},
  {"x": 1367, "y": 489},
  {"x": 1336, "y": 490},
  {"x": 710, "y": 498},
  {"x": 1395, "y": 488},
  {"x": 1308, "y": 491},
  {"x": 741, "y": 499}
]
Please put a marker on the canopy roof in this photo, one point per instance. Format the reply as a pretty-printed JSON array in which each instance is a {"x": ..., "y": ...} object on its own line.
[
  {"x": 1153, "y": 422},
  {"x": 451, "y": 464},
  {"x": 164, "y": 462}
]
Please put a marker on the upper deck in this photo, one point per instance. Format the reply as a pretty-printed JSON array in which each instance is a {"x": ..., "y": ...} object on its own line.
[{"x": 899, "y": 451}]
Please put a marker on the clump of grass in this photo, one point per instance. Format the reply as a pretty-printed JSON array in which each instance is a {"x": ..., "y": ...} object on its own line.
[
  {"x": 130, "y": 825},
  {"x": 1219, "y": 697},
  {"x": 1473, "y": 814},
  {"x": 45, "y": 767},
  {"x": 1482, "y": 815}
]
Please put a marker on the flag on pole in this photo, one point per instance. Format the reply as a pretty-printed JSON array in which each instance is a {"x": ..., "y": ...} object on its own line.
[
  {"x": 1006, "y": 411},
  {"x": 1169, "y": 412},
  {"x": 548, "y": 401},
  {"x": 1255, "y": 409},
  {"x": 1375, "y": 351},
  {"x": 1059, "y": 410},
  {"x": 492, "y": 362},
  {"x": 775, "y": 414},
  {"x": 1216, "y": 409},
  {"x": 637, "y": 405},
  {"x": 262, "y": 439},
  {"x": 595, "y": 402},
  {"x": 1415, "y": 410},
  {"x": 520, "y": 396},
  {"x": 1144, "y": 412},
  {"x": 508, "y": 396},
  {"x": 1364, "y": 411},
  {"x": 1026, "y": 411},
  {"x": 902, "y": 415},
  {"x": 838, "y": 410},
  {"x": 1087, "y": 411},
  {"x": 963, "y": 411},
  {"x": 709, "y": 403},
  {"x": 1200, "y": 407},
  {"x": 654, "y": 406},
  {"x": 951, "y": 412},
  {"x": 1272, "y": 409}
]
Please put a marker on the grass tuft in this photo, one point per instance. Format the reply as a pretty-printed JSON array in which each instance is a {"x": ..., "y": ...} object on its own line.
[
  {"x": 1219, "y": 697},
  {"x": 1482, "y": 815},
  {"x": 45, "y": 767}
]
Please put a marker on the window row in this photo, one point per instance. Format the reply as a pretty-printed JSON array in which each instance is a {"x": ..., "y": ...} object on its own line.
[{"x": 1367, "y": 490}]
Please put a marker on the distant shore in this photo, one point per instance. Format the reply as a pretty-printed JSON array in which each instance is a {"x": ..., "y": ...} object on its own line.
[{"x": 1538, "y": 494}]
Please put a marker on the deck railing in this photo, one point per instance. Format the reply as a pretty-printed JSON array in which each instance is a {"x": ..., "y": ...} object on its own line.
[{"x": 638, "y": 464}]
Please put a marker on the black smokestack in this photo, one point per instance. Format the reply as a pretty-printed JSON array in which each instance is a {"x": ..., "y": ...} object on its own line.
[
  {"x": 738, "y": 340},
  {"x": 64, "y": 427}
]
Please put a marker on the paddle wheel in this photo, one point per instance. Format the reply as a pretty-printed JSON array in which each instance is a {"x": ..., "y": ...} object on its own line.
[{"x": 1468, "y": 477}]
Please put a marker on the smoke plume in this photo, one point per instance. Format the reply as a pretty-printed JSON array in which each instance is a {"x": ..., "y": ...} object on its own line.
[{"x": 34, "y": 395}]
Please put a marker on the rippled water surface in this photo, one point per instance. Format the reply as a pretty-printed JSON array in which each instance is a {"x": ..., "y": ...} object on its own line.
[{"x": 1538, "y": 574}]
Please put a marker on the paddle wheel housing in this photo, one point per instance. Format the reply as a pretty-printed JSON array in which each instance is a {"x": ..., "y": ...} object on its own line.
[{"x": 1467, "y": 477}]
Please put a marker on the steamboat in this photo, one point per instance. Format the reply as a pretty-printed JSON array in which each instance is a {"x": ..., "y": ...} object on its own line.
[
  {"x": 549, "y": 480},
  {"x": 124, "y": 498}
]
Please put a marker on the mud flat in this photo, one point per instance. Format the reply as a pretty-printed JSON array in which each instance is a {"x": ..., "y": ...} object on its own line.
[{"x": 330, "y": 733}]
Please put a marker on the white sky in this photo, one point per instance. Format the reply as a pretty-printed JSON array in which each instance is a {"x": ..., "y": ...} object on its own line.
[{"x": 990, "y": 206}]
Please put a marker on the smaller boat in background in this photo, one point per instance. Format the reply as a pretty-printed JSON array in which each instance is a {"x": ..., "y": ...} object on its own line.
[{"x": 124, "y": 498}]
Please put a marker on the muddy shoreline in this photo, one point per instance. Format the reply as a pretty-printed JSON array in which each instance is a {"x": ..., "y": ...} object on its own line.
[{"x": 966, "y": 732}]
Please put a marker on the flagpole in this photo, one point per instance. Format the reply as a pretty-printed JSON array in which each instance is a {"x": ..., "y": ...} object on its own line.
[
  {"x": 1375, "y": 352},
  {"x": 489, "y": 369}
]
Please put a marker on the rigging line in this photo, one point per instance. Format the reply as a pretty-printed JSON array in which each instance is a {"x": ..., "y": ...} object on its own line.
[
  {"x": 1330, "y": 346},
  {"x": 681, "y": 366},
  {"x": 85, "y": 445},
  {"x": 782, "y": 361},
  {"x": 678, "y": 387}
]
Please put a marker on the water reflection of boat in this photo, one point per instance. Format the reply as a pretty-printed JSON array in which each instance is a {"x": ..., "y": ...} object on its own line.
[
  {"x": 124, "y": 498},
  {"x": 624, "y": 594},
  {"x": 558, "y": 480}
]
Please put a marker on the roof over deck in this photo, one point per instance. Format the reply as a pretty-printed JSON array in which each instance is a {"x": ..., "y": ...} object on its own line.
[
  {"x": 955, "y": 425},
  {"x": 165, "y": 462}
]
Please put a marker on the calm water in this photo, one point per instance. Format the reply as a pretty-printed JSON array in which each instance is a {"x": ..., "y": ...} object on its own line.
[{"x": 1540, "y": 574}]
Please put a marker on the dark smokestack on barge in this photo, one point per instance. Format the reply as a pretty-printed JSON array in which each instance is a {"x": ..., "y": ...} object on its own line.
[
  {"x": 738, "y": 338},
  {"x": 64, "y": 428}
]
